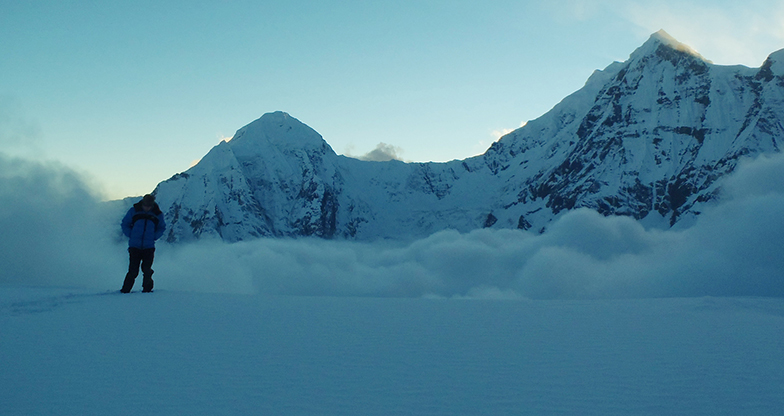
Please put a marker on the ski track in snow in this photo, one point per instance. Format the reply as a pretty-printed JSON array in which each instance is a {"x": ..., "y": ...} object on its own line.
[{"x": 70, "y": 352}]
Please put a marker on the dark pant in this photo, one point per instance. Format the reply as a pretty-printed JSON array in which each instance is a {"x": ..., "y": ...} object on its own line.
[{"x": 144, "y": 259}]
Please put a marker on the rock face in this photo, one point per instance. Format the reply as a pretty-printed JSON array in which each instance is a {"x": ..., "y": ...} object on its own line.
[{"x": 647, "y": 138}]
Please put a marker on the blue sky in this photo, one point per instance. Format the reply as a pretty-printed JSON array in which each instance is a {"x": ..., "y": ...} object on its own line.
[{"x": 130, "y": 93}]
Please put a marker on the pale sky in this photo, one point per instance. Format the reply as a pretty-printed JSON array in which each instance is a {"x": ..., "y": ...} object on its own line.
[{"x": 130, "y": 93}]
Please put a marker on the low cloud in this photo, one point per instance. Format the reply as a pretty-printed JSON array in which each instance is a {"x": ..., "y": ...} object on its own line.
[
  {"x": 54, "y": 227},
  {"x": 61, "y": 235}
]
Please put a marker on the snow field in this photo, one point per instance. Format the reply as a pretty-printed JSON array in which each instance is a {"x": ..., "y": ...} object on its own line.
[{"x": 71, "y": 352}]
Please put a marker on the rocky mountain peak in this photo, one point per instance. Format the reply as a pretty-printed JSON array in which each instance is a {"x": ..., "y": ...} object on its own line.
[
  {"x": 665, "y": 47},
  {"x": 276, "y": 131},
  {"x": 650, "y": 138},
  {"x": 775, "y": 64}
]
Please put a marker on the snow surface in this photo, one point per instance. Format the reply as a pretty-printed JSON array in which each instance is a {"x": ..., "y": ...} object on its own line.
[{"x": 72, "y": 352}]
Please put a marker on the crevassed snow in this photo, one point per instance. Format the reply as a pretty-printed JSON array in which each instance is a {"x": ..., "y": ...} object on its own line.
[{"x": 69, "y": 352}]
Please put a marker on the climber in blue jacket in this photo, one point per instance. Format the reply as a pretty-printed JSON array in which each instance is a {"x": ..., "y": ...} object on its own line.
[{"x": 143, "y": 224}]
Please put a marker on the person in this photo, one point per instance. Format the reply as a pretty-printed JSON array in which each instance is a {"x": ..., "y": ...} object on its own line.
[{"x": 143, "y": 224}]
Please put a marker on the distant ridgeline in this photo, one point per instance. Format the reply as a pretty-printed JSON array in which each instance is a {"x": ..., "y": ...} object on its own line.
[{"x": 648, "y": 138}]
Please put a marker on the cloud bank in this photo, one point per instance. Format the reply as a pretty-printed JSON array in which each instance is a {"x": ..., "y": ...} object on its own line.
[
  {"x": 58, "y": 233},
  {"x": 54, "y": 227}
]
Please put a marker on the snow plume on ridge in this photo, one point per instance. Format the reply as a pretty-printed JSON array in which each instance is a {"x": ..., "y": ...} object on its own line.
[{"x": 58, "y": 234}]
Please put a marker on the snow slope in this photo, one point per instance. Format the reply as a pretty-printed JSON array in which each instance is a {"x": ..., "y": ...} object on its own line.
[{"x": 75, "y": 352}]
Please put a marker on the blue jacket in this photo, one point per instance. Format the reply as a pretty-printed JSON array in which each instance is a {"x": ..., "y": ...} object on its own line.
[{"x": 143, "y": 227}]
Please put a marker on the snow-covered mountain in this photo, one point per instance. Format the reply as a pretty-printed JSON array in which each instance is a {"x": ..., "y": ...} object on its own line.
[{"x": 648, "y": 138}]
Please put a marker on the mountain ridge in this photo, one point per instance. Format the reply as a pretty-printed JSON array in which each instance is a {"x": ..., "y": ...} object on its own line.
[{"x": 649, "y": 138}]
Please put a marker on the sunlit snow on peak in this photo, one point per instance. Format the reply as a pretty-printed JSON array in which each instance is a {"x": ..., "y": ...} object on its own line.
[{"x": 664, "y": 38}]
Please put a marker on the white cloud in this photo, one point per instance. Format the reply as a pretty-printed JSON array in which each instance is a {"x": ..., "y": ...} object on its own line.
[
  {"x": 758, "y": 177},
  {"x": 382, "y": 153},
  {"x": 497, "y": 134},
  {"x": 60, "y": 235}
]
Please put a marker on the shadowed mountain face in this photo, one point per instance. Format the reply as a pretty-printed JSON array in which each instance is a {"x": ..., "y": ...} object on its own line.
[{"x": 649, "y": 138}]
